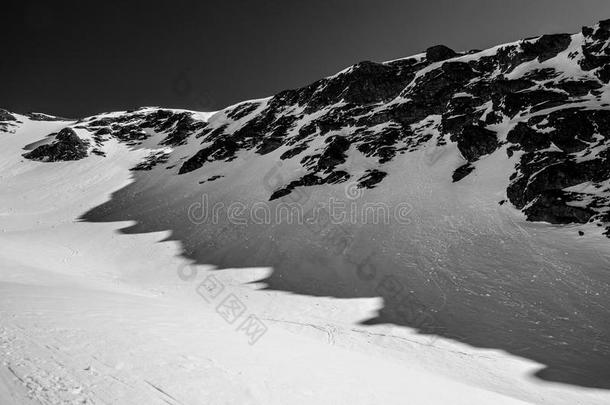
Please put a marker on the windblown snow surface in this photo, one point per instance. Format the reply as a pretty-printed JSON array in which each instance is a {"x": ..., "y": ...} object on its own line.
[{"x": 115, "y": 282}]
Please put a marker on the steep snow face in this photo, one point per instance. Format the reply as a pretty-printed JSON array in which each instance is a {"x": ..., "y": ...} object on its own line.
[{"x": 409, "y": 180}]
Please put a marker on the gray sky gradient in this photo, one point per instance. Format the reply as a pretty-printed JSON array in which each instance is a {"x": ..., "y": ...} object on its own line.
[{"x": 75, "y": 58}]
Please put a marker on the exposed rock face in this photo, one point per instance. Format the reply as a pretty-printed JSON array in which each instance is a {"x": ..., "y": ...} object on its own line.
[
  {"x": 7, "y": 120},
  {"x": 475, "y": 141},
  {"x": 546, "y": 47},
  {"x": 34, "y": 116},
  {"x": 221, "y": 149},
  {"x": 551, "y": 206},
  {"x": 67, "y": 146},
  {"x": 152, "y": 160},
  {"x": 527, "y": 138},
  {"x": 439, "y": 53},
  {"x": 540, "y": 102},
  {"x": 334, "y": 154},
  {"x": 134, "y": 127},
  {"x": 462, "y": 172},
  {"x": 565, "y": 148},
  {"x": 371, "y": 178},
  {"x": 595, "y": 53},
  {"x": 6, "y": 116}
]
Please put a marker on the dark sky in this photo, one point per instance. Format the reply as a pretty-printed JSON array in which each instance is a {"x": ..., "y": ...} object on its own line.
[{"x": 75, "y": 58}]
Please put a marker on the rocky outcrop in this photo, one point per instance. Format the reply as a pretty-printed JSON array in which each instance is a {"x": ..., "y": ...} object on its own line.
[
  {"x": 596, "y": 56},
  {"x": 546, "y": 47},
  {"x": 153, "y": 159},
  {"x": 6, "y": 116},
  {"x": 475, "y": 141},
  {"x": 7, "y": 121},
  {"x": 439, "y": 53},
  {"x": 462, "y": 172},
  {"x": 528, "y": 139},
  {"x": 66, "y": 146},
  {"x": 34, "y": 116},
  {"x": 221, "y": 149},
  {"x": 310, "y": 180},
  {"x": 553, "y": 206},
  {"x": 134, "y": 127},
  {"x": 371, "y": 178}
]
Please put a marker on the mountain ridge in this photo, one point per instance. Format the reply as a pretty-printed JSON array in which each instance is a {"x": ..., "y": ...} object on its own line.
[{"x": 544, "y": 99}]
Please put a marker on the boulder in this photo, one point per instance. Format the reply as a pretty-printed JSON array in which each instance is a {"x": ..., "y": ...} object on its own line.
[
  {"x": 67, "y": 146},
  {"x": 462, "y": 172},
  {"x": 439, "y": 53}
]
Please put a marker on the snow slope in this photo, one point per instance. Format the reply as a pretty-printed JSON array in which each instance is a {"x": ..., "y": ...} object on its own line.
[
  {"x": 92, "y": 316},
  {"x": 76, "y": 330}
]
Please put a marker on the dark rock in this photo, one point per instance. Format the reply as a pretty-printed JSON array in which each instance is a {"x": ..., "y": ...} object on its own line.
[
  {"x": 268, "y": 145},
  {"x": 439, "y": 53},
  {"x": 578, "y": 88},
  {"x": 553, "y": 172},
  {"x": 334, "y": 154},
  {"x": 280, "y": 193},
  {"x": 309, "y": 179},
  {"x": 212, "y": 178},
  {"x": 535, "y": 100},
  {"x": 67, "y": 146},
  {"x": 179, "y": 127},
  {"x": 365, "y": 82},
  {"x": 547, "y": 46},
  {"x": 587, "y": 31},
  {"x": 290, "y": 153},
  {"x": 541, "y": 75},
  {"x": 504, "y": 86},
  {"x": 6, "y": 116},
  {"x": 436, "y": 86},
  {"x": 528, "y": 138},
  {"x": 152, "y": 160},
  {"x": 551, "y": 206},
  {"x": 604, "y": 25},
  {"x": 339, "y": 176},
  {"x": 572, "y": 129},
  {"x": 34, "y": 116},
  {"x": 371, "y": 178},
  {"x": 103, "y": 131},
  {"x": 475, "y": 141},
  {"x": 221, "y": 149},
  {"x": 462, "y": 172},
  {"x": 242, "y": 110},
  {"x": 381, "y": 145}
]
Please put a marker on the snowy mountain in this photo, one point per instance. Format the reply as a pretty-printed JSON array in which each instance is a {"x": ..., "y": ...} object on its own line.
[
  {"x": 469, "y": 190},
  {"x": 541, "y": 100}
]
